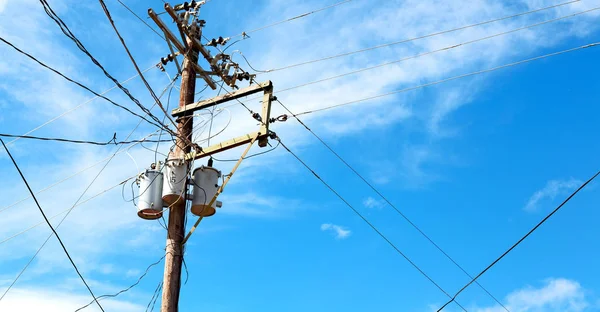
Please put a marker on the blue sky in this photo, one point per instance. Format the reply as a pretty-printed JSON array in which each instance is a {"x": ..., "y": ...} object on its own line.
[{"x": 475, "y": 162}]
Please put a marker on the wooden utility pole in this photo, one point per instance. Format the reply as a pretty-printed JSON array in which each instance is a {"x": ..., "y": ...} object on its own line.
[
  {"x": 176, "y": 229},
  {"x": 185, "y": 17}
]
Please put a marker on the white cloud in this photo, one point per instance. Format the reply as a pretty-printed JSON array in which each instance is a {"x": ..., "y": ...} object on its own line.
[
  {"x": 133, "y": 273},
  {"x": 552, "y": 189},
  {"x": 339, "y": 231},
  {"x": 556, "y": 295},
  {"x": 256, "y": 205},
  {"x": 372, "y": 203},
  {"x": 34, "y": 299}
]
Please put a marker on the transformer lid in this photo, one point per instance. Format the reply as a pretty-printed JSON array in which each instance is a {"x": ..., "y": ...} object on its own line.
[{"x": 207, "y": 168}]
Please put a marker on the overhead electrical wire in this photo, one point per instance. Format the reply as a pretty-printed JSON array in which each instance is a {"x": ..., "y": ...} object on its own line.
[
  {"x": 141, "y": 20},
  {"x": 154, "y": 297},
  {"x": 156, "y": 32},
  {"x": 48, "y": 238},
  {"x": 245, "y": 33},
  {"x": 168, "y": 104},
  {"x": 521, "y": 239},
  {"x": 253, "y": 155},
  {"x": 51, "y": 227},
  {"x": 415, "y": 38},
  {"x": 72, "y": 207},
  {"x": 65, "y": 29},
  {"x": 424, "y": 54},
  {"x": 137, "y": 68},
  {"x": 57, "y": 183},
  {"x": 437, "y": 50},
  {"x": 126, "y": 289},
  {"x": 78, "y": 83},
  {"x": 83, "y": 170},
  {"x": 369, "y": 223},
  {"x": 373, "y": 188},
  {"x": 450, "y": 79},
  {"x": 77, "y": 107},
  {"x": 112, "y": 141}
]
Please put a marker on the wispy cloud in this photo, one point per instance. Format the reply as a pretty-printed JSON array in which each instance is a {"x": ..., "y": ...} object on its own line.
[
  {"x": 34, "y": 299},
  {"x": 372, "y": 203},
  {"x": 555, "y": 295},
  {"x": 552, "y": 189},
  {"x": 340, "y": 232}
]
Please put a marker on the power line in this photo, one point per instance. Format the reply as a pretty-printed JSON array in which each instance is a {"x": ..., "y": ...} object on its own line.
[
  {"x": 253, "y": 155},
  {"x": 72, "y": 207},
  {"x": 112, "y": 141},
  {"x": 112, "y": 23},
  {"x": 65, "y": 29},
  {"x": 520, "y": 240},
  {"x": 390, "y": 203},
  {"x": 50, "y": 225},
  {"x": 67, "y": 210},
  {"x": 245, "y": 33},
  {"x": 451, "y": 78},
  {"x": 417, "y": 38},
  {"x": 75, "y": 174},
  {"x": 76, "y": 107},
  {"x": 141, "y": 20},
  {"x": 154, "y": 297},
  {"x": 369, "y": 223},
  {"x": 437, "y": 50},
  {"x": 76, "y": 82},
  {"x": 126, "y": 289},
  {"x": 53, "y": 185}
]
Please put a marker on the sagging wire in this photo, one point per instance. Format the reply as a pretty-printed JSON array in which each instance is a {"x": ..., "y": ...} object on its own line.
[
  {"x": 112, "y": 141},
  {"x": 221, "y": 131},
  {"x": 170, "y": 87},
  {"x": 154, "y": 297},
  {"x": 248, "y": 62},
  {"x": 253, "y": 155},
  {"x": 126, "y": 289}
]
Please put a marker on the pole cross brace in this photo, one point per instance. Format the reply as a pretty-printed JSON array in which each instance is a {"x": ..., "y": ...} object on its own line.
[{"x": 220, "y": 189}]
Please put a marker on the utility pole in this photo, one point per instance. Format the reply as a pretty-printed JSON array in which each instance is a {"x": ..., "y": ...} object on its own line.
[
  {"x": 186, "y": 17},
  {"x": 176, "y": 228}
]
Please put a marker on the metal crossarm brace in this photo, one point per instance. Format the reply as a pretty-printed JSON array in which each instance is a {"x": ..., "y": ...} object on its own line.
[
  {"x": 220, "y": 190},
  {"x": 217, "y": 148},
  {"x": 262, "y": 134}
]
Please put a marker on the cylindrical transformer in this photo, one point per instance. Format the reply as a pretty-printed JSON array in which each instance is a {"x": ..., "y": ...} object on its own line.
[
  {"x": 176, "y": 172},
  {"x": 206, "y": 181},
  {"x": 150, "y": 202}
]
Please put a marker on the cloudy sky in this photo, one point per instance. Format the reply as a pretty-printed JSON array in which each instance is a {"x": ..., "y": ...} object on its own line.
[{"x": 473, "y": 162}]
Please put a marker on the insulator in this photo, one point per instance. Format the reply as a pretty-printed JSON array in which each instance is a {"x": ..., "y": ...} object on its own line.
[
  {"x": 247, "y": 76},
  {"x": 221, "y": 40},
  {"x": 164, "y": 61}
]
